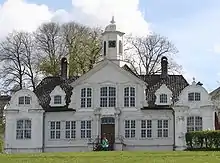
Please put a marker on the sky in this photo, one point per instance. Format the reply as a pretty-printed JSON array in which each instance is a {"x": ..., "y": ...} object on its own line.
[{"x": 193, "y": 26}]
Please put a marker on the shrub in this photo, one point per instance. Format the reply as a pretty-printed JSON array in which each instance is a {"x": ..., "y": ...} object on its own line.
[
  {"x": 1, "y": 144},
  {"x": 204, "y": 140}
]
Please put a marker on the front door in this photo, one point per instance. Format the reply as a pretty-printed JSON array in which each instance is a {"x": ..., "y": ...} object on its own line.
[{"x": 108, "y": 129}]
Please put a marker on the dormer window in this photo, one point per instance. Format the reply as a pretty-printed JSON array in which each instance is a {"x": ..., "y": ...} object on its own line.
[
  {"x": 57, "y": 99},
  {"x": 194, "y": 96},
  {"x": 112, "y": 44},
  {"x": 163, "y": 98},
  {"x": 24, "y": 100}
]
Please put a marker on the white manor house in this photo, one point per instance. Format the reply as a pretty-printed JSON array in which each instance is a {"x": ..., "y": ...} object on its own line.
[{"x": 136, "y": 112}]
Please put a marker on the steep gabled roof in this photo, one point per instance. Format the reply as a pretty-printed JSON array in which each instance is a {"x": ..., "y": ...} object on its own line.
[
  {"x": 47, "y": 85},
  {"x": 176, "y": 83},
  {"x": 215, "y": 92}
]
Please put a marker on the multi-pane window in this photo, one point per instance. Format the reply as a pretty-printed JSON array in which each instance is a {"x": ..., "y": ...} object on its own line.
[
  {"x": 146, "y": 128},
  {"x": 108, "y": 97},
  {"x": 55, "y": 127},
  {"x": 57, "y": 99},
  {"x": 23, "y": 129},
  {"x": 86, "y": 97},
  {"x": 194, "y": 123},
  {"x": 194, "y": 96},
  {"x": 24, "y": 100},
  {"x": 162, "y": 128},
  {"x": 130, "y": 128},
  {"x": 86, "y": 129},
  {"x": 163, "y": 98},
  {"x": 70, "y": 132},
  {"x": 129, "y": 97}
]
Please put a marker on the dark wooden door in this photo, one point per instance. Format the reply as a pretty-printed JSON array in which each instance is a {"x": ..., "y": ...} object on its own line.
[{"x": 109, "y": 131}]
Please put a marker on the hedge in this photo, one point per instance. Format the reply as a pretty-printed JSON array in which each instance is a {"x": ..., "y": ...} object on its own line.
[
  {"x": 1, "y": 144},
  {"x": 203, "y": 140}
]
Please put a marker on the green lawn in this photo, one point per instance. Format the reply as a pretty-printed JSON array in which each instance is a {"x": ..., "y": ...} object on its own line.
[{"x": 114, "y": 157}]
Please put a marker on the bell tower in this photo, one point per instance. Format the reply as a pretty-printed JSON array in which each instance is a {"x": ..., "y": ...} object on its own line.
[{"x": 113, "y": 43}]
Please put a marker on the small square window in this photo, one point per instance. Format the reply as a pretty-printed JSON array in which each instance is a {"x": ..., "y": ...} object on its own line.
[
  {"x": 57, "y": 99},
  {"x": 112, "y": 44}
]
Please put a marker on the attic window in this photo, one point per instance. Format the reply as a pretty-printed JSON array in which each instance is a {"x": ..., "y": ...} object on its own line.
[
  {"x": 194, "y": 96},
  {"x": 57, "y": 99},
  {"x": 112, "y": 44},
  {"x": 163, "y": 98},
  {"x": 24, "y": 100}
]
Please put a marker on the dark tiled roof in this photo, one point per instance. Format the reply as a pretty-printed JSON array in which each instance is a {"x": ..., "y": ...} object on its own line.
[
  {"x": 176, "y": 83},
  {"x": 59, "y": 109},
  {"x": 47, "y": 85}
]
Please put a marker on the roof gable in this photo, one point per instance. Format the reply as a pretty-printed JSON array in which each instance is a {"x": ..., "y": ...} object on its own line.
[{"x": 108, "y": 71}]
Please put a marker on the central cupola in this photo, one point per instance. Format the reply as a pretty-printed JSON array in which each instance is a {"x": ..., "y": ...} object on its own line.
[{"x": 113, "y": 43}]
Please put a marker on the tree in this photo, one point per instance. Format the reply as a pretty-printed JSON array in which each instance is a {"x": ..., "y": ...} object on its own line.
[
  {"x": 144, "y": 54},
  {"x": 13, "y": 68},
  {"x": 50, "y": 48},
  {"x": 83, "y": 46},
  {"x": 30, "y": 58}
]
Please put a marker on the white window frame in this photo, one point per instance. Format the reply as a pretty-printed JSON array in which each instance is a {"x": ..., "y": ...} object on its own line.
[
  {"x": 130, "y": 129},
  {"x": 70, "y": 129},
  {"x": 163, "y": 98},
  {"x": 86, "y": 129},
  {"x": 56, "y": 130},
  {"x": 23, "y": 131},
  {"x": 162, "y": 128},
  {"x": 108, "y": 100},
  {"x": 129, "y": 97},
  {"x": 24, "y": 100},
  {"x": 194, "y": 123},
  {"x": 194, "y": 96},
  {"x": 86, "y": 97},
  {"x": 57, "y": 99},
  {"x": 146, "y": 128}
]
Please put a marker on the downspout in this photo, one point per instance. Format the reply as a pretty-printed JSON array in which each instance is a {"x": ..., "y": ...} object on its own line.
[
  {"x": 43, "y": 133},
  {"x": 174, "y": 131}
]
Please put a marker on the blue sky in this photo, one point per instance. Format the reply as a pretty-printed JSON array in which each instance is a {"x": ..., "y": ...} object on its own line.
[{"x": 192, "y": 25}]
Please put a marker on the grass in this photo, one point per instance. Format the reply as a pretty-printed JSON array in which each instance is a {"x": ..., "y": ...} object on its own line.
[{"x": 114, "y": 157}]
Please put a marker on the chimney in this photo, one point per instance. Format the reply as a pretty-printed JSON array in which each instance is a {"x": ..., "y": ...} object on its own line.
[
  {"x": 64, "y": 68},
  {"x": 164, "y": 67}
]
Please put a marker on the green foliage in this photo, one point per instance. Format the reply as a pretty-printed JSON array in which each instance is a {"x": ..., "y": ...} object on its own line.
[
  {"x": 113, "y": 157},
  {"x": 208, "y": 140}
]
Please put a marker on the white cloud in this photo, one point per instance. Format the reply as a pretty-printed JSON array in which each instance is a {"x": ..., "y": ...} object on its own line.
[
  {"x": 21, "y": 15},
  {"x": 127, "y": 14},
  {"x": 216, "y": 48}
]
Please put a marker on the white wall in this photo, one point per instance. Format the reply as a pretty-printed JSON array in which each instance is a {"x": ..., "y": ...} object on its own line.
[
  {"x": 184, "y": 108},
  {"x": 15, "y": 112}
]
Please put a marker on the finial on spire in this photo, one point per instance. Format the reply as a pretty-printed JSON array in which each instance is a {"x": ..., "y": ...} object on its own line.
[{"x": 113, "y": 20}]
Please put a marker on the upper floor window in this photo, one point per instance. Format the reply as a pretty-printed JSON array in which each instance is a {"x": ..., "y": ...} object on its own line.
[
  {"x": 86, "y": 97},
  {"x": 163, "y": 98},
  {"x": 23, "y": 129},
  {"x": 108, "y": 97},
  {"x": 194, "y": 96},
  {"x": 57, "y": 99},
  {"x": 120, "y": 46},
  {"x": 112, "y": 44},
  {"x": 194, "y": 123},
  {"x": 24, "y": 100},
  {"x": 129, "y": 97}
]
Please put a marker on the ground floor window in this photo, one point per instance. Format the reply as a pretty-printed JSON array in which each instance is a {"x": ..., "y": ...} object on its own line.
[
  {"x": 130, "y": 128},
  {"x": 194, "y": 123},
  {"x": 146, "y": 128},
  {"x": 162, "y": 128},
  {"x": 86, "y": 129},
  {"x": 23, "y": 129},
  {"x": 55, "y": 129},
  {"x": 70, "y": 132}
]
